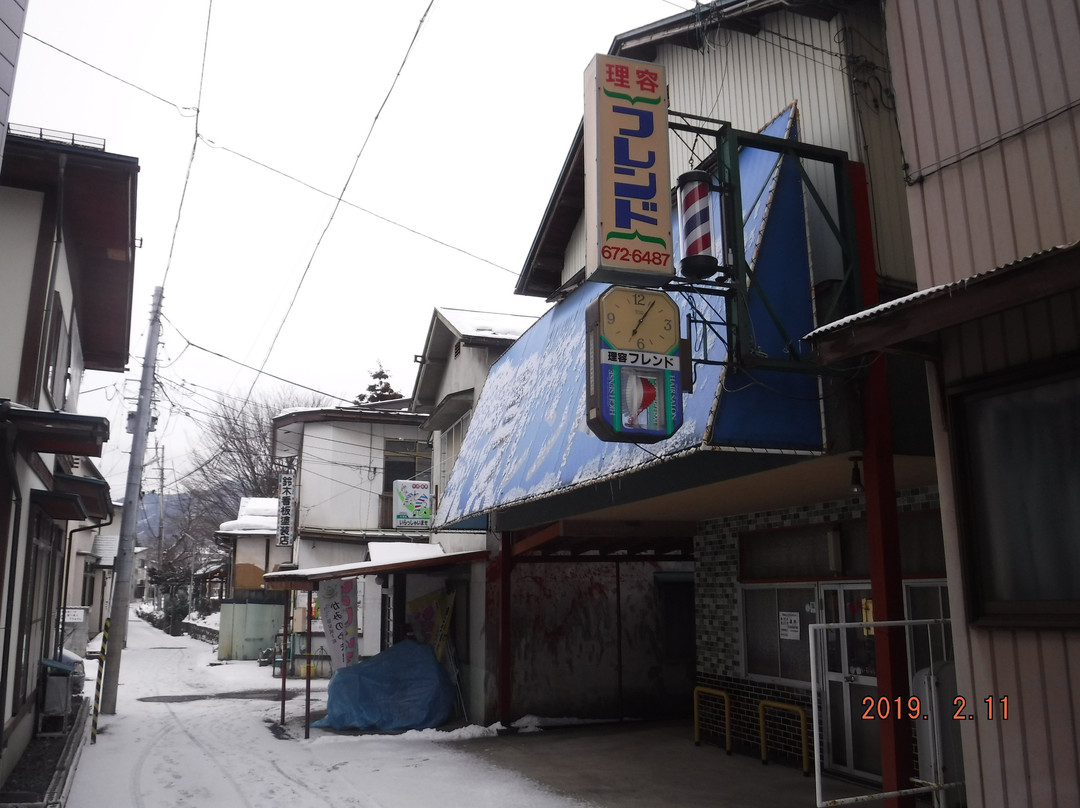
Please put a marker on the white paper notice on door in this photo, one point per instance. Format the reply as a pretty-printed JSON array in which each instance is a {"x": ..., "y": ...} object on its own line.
[{"x": 789, "y": 625}]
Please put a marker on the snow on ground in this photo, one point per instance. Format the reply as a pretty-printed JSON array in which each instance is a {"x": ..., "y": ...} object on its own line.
[{"x": 190, "y": 731}]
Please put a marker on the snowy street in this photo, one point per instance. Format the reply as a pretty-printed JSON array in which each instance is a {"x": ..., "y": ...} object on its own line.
[{"x": 190, "y": 731}]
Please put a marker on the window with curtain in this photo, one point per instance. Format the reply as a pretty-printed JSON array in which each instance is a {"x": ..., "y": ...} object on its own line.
[{"x": 1017, "y": 449}]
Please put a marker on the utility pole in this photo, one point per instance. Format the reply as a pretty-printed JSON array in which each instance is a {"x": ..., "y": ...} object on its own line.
[
  {"x": 130, "y": 519},
  {"x": 161, "y": 513}
]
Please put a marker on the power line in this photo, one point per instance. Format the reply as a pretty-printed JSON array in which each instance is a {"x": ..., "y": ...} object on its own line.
[
  {"x": 175, "y": 106},
  {"x": 360, "y": 208},
  {"x": 194, "y": 146},
  {"x": 260, "y": 371},
  {"x": 337, "y": 203}
]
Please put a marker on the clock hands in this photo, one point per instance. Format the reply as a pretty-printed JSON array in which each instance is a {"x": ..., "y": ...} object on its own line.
[{"x": 643, "y": 316}]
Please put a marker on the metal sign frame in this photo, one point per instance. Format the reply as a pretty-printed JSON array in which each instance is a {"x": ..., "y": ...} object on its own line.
[{"x": 735, "y": 287}]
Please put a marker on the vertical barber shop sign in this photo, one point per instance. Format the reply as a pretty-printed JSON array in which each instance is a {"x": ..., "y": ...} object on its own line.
[{"x": 627, "y": 178}]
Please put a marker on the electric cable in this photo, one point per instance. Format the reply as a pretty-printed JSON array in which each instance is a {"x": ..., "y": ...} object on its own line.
[
  {"x": 194, "y": 146},
  {"x": 337, "y": 204}
]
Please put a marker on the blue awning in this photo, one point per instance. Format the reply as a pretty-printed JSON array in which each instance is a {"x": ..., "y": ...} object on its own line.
[{"x": 528, "y": 439}]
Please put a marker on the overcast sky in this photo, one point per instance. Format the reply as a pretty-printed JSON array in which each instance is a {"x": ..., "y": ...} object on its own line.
[{"x": 455, "y": 166}]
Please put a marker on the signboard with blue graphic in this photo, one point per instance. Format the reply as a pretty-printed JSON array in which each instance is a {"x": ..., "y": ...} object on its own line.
[{"x": 412, "y": 504}]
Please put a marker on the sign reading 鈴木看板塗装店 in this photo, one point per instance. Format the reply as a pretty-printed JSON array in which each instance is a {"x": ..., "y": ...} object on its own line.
[
  {"x": 627, "y": 178},
  {"x": 286, "y": 524}
]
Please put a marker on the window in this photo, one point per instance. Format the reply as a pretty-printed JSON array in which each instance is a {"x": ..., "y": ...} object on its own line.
[
  {"x": 37, "y": 602},
  {"x": 402, "y": 460},
  {"x": 88, "y": 584},
  {"x": 1018, "y": 477},
  {"x": 776, "y": 626},
  {"x": 450, "y": 441},
  {"x": 58, "y": 356}
]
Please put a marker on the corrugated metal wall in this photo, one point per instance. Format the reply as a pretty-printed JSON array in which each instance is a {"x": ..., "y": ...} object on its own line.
[
  {"x": 989, "y": 104},
  {"x": 988, "y": 98},
  {"x": 836, "y": 72},
  {"x": 1031, "y": 759}
]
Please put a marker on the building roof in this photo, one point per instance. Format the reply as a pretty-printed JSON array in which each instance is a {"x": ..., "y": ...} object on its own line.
[
  {"x": 910, "y": 324},
  {"x": 453, "y": 327},
  {"x": 256, "y": 516},
  {"x": 484, "y": 326},
  {"x": 56, "y": 432},
  {"x": 425, "y": 558},
  {"x": 99, "y": 198},
  {"x": 288, "y": 426}
]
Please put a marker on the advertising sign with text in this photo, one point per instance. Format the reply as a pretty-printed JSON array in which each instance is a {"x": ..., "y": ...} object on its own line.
[{"x": 627, "y": 179}]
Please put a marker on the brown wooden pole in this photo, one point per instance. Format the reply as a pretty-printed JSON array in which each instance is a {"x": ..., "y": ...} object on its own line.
[
  {"x": 310, "y": 666},
  {"x": 284, "y": 653},
  {"x": 505, "y": 634},
  {"x": 619, "y": 635}
]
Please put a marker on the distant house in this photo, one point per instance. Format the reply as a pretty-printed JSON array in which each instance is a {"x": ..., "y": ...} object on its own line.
[
  {"x": 401, "y": 583},
  {"x": 346, "y": 461},
  {"x": 251, "y": 615},
  {"x": 460, "y": 348},
  {"x": 90, "y": 574},
  {"x": 67, "y": 225}
]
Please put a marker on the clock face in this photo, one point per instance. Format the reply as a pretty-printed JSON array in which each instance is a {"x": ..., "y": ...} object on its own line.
[{"x": 639, "y": 320}]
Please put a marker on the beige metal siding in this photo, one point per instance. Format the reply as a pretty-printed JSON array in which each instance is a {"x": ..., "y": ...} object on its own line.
[
  {"x": 1032, "y": 759},
  {"x": 988, "y": 94},
  {"x": 835, "y": 71},
  {"x": 1012, "y": 339}
]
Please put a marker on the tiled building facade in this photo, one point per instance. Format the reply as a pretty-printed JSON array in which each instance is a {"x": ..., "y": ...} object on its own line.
[{"x": 721, "y": 640}]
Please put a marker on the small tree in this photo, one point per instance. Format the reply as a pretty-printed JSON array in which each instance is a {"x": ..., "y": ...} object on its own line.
[
  {"x": 233, "y": 459},
  {"x": 379, "y": 389}
]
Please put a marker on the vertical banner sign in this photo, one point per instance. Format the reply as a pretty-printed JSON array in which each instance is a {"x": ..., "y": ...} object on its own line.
[
  {"x": 338, "y": 607},
  {"x": 286, "y": 522},
  {"x": 429, "y": 616},
  {"x": 412, "y": 504},
  {"x": 627, "y": 178}
]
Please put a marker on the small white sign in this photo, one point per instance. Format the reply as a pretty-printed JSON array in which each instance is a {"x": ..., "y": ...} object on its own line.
[
  {"x": 74, "y": 615},
  {"x": 789, "y": 626},
  {"x": 412, "y": 506}
]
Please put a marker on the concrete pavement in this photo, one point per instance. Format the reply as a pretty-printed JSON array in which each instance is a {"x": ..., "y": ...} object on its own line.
[{"x": 650, "y": 764}]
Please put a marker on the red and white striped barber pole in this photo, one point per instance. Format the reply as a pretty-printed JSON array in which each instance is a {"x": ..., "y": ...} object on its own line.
[{"x": 698, "y": 260}]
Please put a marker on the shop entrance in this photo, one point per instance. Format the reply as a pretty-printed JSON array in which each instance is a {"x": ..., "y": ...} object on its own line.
[{"x": 852, "y": 743}]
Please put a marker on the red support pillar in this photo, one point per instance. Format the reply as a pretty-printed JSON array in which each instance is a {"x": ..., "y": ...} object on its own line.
[
  {"x": 887, "y": 587},
  {"x": 886, "y": 576}
]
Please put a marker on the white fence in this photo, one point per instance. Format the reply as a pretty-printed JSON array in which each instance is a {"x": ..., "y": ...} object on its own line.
[{"x": 931, "y": 704}]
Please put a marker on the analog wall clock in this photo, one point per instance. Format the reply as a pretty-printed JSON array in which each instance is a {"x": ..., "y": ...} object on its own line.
[{"x": 633, "y": 381}]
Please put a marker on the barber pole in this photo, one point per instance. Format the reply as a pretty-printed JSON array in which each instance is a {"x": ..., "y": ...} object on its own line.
[{"x": 695, "y": 225}]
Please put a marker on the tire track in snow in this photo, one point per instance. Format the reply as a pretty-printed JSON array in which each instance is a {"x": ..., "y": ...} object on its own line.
[
  {"x": 140, "y": 762},
  {"x": 214, "y": 758}
]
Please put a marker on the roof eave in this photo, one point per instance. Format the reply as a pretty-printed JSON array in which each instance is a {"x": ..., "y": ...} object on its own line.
[{"x": 913, "y": 323}]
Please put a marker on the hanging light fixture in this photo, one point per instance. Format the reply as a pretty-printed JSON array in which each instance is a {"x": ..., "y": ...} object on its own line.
[{"x": 856, "y": 475}]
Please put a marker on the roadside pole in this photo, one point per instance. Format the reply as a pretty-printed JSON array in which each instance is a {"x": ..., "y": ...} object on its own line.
[{"x": 129, "y": 520}]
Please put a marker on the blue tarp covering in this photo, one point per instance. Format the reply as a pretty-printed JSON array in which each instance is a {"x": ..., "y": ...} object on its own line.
[
  {"x": 528, "y": 436},
  {"x": 402, "y": 688}
]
